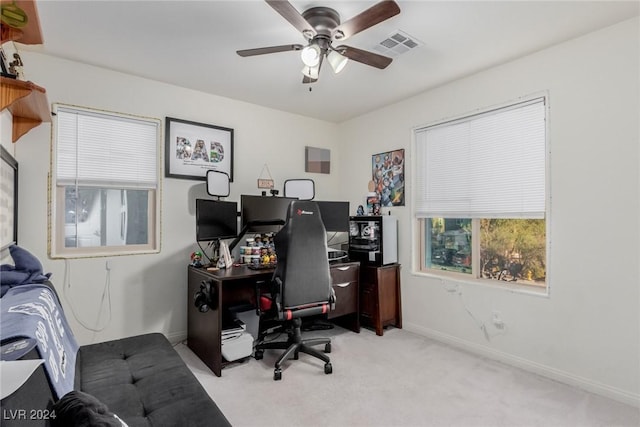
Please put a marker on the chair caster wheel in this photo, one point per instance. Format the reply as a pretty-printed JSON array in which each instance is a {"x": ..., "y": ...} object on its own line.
[
  {"x": 258, "y": 354},
  {"x": 277, "y": 374},
  {"x": 328, "y": 368},
  {"x": 296, "y": 355},
  {"x": 327, "y": 348}
]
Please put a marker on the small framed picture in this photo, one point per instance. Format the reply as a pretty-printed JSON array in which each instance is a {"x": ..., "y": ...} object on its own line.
[
  {"x": 373, "y": 205},
  {"x": 191, "y": 149}
]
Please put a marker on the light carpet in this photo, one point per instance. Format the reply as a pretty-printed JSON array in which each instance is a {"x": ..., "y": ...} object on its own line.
[{"x": 399, "y": 379}]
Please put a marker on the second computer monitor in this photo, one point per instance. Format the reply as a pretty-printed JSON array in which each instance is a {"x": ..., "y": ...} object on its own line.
[
  {"x": 335, "y": 215},
  {"x": 264, "y": 208}
]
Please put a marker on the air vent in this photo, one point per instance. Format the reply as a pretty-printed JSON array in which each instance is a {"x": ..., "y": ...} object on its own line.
[{"x": 397, "y": 43}]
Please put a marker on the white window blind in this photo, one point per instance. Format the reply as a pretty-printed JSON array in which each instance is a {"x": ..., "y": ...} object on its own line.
[
  {"x": 490, "y": 165},
  {"x": 106, "y": 150}
]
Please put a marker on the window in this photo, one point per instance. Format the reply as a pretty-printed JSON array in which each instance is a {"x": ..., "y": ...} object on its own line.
[
  {"x": 481, "y": 195},
  {"x": 105, "y": 197}
]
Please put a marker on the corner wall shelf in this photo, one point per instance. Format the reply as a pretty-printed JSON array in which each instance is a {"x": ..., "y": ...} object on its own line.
[{"x": 27, "y": 102}]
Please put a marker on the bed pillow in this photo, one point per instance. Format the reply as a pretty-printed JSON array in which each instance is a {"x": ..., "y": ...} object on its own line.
[{"x": 26, "y": 269}]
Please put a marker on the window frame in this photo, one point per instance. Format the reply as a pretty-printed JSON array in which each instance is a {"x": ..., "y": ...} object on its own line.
[
  {"x": 418, "y": 228},
  {"x": 56, "y": 210}
]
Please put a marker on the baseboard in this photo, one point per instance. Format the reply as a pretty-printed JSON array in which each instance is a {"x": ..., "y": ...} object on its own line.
[
  {"x": 528, "y": 365},
  {"x": 177, "y": 337}
]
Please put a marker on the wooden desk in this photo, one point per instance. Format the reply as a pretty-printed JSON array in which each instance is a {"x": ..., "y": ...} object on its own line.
[{"x": 236, "y": 286}]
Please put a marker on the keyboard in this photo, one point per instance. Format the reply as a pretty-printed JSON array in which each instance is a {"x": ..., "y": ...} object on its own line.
[{"x": 261, "y": 266}]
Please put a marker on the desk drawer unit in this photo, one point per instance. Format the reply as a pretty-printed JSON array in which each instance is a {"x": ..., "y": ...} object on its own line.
[{"x": 344, "y": 279}]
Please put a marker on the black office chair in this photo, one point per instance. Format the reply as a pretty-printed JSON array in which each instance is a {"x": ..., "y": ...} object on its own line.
[{"x": 301, "y": 285}]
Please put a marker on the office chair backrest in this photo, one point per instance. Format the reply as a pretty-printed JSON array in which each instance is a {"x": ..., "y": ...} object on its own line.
[{"x": 303, "y": 263}]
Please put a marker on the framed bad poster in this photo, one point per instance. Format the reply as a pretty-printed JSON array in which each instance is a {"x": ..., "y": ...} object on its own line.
[{"x": 191, "y": 149}]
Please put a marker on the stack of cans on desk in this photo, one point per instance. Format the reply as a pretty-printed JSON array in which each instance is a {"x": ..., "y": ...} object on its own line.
[{"x": 258, "y": 250}]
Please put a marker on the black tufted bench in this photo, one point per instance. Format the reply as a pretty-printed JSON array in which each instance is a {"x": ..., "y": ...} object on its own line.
[
  {"x": 141, "y": 379},
  {"x": 145, "y": 382}
]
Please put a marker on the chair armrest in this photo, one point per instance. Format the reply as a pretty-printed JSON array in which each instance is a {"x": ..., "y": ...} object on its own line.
[{"x": 276, "y": 289}]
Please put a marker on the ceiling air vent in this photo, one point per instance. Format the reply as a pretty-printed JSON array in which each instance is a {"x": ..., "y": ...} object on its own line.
[{"x": 397, "y": 43}]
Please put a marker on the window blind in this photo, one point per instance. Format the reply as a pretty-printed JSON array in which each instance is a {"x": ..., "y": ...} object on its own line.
[
  {"x": 490, "y": 165},
  {"x": 106, "y": 150}
]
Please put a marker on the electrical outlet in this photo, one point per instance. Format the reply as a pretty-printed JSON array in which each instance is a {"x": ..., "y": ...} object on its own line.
[{"x": 497, "y": 320}]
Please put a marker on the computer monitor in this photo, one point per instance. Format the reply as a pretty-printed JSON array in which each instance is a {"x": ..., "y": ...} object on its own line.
[
  {"x": 216, "y": 219},
  {"x": 335, "y": 215},
  {"x": 264, "y": 208}
]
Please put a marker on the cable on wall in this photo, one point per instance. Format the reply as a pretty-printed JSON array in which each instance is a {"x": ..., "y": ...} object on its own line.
[
  {"x": 455, "y": 288},
  {"x": 106, "y": 293}
]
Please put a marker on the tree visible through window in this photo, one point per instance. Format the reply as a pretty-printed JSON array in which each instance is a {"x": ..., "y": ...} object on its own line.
[{"x": 513, "y": 249}]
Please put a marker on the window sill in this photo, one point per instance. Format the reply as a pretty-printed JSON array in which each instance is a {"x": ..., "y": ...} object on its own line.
[
  {"x": 99, "y": 252},
  {"x": 451, "y": 281}
]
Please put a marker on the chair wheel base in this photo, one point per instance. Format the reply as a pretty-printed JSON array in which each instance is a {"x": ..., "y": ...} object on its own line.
[{"x": 328, "y": 368}]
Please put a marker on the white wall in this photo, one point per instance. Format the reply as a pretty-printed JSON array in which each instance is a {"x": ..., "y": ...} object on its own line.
[
  {"x": 5, "y": 130},
  {"x": 587, "y": 331},
  {"x": 149, "y": 291}
]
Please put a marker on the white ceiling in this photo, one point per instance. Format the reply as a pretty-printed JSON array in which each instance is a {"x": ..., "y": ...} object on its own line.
[{"x": 193, "y": 44}]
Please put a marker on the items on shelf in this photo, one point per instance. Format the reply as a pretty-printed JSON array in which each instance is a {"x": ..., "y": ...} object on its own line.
[{"x": 232, "y": 328}]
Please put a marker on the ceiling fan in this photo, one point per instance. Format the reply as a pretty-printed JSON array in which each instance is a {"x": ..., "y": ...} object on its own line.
[{"x": 321, "y": 26}]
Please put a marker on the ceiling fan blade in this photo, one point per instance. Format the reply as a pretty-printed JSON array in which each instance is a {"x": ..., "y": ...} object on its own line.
[
  {"x": 291, "y": 14},
  {"x": 370, "y": 17},
  {"x": 365, "y": 57},
  {"x": 270, "y": 49}
]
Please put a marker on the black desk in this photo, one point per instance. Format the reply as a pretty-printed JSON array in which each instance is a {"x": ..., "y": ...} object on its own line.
[{"x": 236, "y": 286}]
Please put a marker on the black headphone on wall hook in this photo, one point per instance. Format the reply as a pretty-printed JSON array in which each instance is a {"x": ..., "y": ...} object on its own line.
[{"x": 205, "y": 298}]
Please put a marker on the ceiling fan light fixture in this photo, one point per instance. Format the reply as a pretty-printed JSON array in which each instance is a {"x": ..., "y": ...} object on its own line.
[
  {"x": 311, "y": 55},
  {"x": 321, "y": 26},
  {"x": 337, "y": 61},
  {"x": 311, "y": 72}
]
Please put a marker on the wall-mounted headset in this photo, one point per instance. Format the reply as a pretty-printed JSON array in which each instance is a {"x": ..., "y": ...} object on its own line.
[{"x": 206, "y": 297}]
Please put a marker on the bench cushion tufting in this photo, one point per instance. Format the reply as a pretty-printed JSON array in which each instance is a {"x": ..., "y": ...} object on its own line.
[{"x": 145, "y": 382}]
